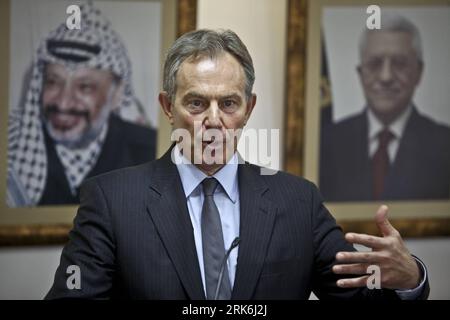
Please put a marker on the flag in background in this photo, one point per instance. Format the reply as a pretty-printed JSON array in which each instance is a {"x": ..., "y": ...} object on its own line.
[{"x": 326, "y": 113}]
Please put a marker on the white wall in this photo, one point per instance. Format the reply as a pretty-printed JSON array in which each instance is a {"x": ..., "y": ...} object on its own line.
[
  {"x": 261, "y": 24},
  {"x": 436, "y": 255},
  {"x": 27, "y": 273}
]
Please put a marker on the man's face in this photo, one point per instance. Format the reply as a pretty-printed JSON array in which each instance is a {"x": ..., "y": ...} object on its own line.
[
  {"x": 390, "y": 71},
  {"x": 210, "y": 94},
  {"x": 76, "y": 103}
]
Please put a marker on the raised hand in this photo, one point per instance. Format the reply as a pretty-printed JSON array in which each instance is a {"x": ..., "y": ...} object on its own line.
[{"x": 399, "y": 269}]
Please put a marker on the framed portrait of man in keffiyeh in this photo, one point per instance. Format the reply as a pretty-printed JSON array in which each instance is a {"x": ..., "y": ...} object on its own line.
[{"x": 79, "y": 98}]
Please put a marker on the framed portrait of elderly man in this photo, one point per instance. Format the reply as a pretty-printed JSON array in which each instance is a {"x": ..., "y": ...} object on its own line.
[
  {"x": 78, "y": 99},
  {"x": 375, "y": 111}
]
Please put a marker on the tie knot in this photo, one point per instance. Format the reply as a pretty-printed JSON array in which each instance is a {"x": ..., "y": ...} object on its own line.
[
  {"x": 385, "y": 136},
  {"x": 209, "y": 186}
]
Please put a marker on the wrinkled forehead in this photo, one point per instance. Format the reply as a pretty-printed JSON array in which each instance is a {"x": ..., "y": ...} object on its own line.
[
  {"x": 388, "y": 43},
  {"x": 77, "y": 72},
  {"x": 223, "y": 68}
]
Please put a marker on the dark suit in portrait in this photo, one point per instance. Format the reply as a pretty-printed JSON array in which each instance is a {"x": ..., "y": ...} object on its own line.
[
  {"x": 133, "y": 238},
  {"x": 421, "y": 169},
  {"x": 126, "y": 144}
]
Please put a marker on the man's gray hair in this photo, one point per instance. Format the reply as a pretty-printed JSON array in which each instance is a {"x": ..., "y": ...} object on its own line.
[
  {"x": 394, "y": 23},
  {"x": 206, "y": 43}
]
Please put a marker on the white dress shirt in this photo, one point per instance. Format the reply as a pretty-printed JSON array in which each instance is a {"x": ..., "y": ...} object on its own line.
[{"x": 226, "y": 198}]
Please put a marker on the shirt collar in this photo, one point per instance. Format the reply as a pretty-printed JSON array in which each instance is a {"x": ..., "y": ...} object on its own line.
[
  {"x": 397, "y": 127},
  {"x": 191, "y": 176}
]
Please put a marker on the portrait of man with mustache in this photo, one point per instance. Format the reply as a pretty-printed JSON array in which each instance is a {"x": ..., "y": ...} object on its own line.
[{"x": 73, "y": 124}]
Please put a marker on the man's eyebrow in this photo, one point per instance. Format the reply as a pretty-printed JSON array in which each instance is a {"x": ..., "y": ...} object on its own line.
[
  {"x": 85, "y": 78},
  {"x": 232, "y": 96},
  {"x": 194, "y": 94},
  {"x": 53, "y": 74}
]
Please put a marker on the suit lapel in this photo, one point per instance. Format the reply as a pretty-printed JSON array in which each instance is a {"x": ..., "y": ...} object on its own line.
[
  {"x": 168, "y": 210},
  {"x": 397, "y": 184},
  {"x": 257, "y": 216},
  {"x": 360, "y": 161}
]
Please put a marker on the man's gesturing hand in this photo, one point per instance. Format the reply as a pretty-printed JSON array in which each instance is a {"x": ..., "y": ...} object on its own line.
[{"x": 399, "y": 269}]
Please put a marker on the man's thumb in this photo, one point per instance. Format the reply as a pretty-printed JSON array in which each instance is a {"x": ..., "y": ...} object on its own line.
[{"x": 382, "y": 221}]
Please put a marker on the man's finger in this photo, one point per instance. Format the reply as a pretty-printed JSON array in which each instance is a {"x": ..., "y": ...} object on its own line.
[
  {"x": 358, "y": 257},
  {"x": 353, "y": 283},
  {"x": 382, "y": 221},
  {"x": 366, "y": 240},
  {"x": 356, "y": 268}
]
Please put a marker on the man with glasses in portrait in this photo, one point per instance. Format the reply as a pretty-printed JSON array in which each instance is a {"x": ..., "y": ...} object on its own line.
[{"x": 389, "y": 151}]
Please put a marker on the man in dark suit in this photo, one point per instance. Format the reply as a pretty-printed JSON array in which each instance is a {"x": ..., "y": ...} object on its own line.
[
  {"x": 389, "y": 151},
  {"x": 200, "y": 223}
]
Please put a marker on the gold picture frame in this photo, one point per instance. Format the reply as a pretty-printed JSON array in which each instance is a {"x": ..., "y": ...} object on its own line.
[
  {"x": 302, "y": 123},
  {"x": 50, "y": 224}
]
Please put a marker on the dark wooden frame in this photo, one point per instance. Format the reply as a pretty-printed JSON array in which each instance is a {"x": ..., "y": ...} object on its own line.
[
  {"x": 295, "y": 120},
  {"x": 58, "y": 234}
]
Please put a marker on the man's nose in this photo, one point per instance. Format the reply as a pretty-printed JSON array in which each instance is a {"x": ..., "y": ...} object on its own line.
[
  {"x": 386, "y": 72},
  {"x": 213, "y": 116},
  {"x": 66, "y": 99}
]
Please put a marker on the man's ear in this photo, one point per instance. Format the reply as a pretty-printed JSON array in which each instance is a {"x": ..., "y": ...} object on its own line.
[
  {"x": 166, "y": 105},
  {"x": 358, "y": 70},
  {"x": 250, "y": 105},
  {"x": 420, "y": 72}
]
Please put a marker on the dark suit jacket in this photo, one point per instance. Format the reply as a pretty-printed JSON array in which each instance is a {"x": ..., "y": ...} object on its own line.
[
  {"x": 421, "y": 169},
  {"x": 126, "y": 144},
  {"x": 133, "y": 238}
]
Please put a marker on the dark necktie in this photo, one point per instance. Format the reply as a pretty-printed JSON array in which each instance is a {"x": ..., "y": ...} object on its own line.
[
  {"x": 213, "y": 244},
  {"x": 380, "y": 163}
]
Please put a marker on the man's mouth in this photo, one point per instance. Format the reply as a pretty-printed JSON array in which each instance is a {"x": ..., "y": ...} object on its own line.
[
  {"x": 386, "y": 93},
  {"x": 65, "y": 120}
]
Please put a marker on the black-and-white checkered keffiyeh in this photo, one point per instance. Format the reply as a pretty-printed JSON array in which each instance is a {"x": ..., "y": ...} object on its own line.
[
  {"x": 95, "y": 45},
  {"x": 78, "y": 162}
]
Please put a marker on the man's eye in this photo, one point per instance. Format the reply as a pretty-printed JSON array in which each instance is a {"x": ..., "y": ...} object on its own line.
[
  {"x": 399, "y": 64},
  {"x": 228, "y": 103},
  {"x": 196, "y": 105},
  {"x": 86, "y": 87},
  {"x": 50, "y": 82},
  {"x": 374, "y": 64}
]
